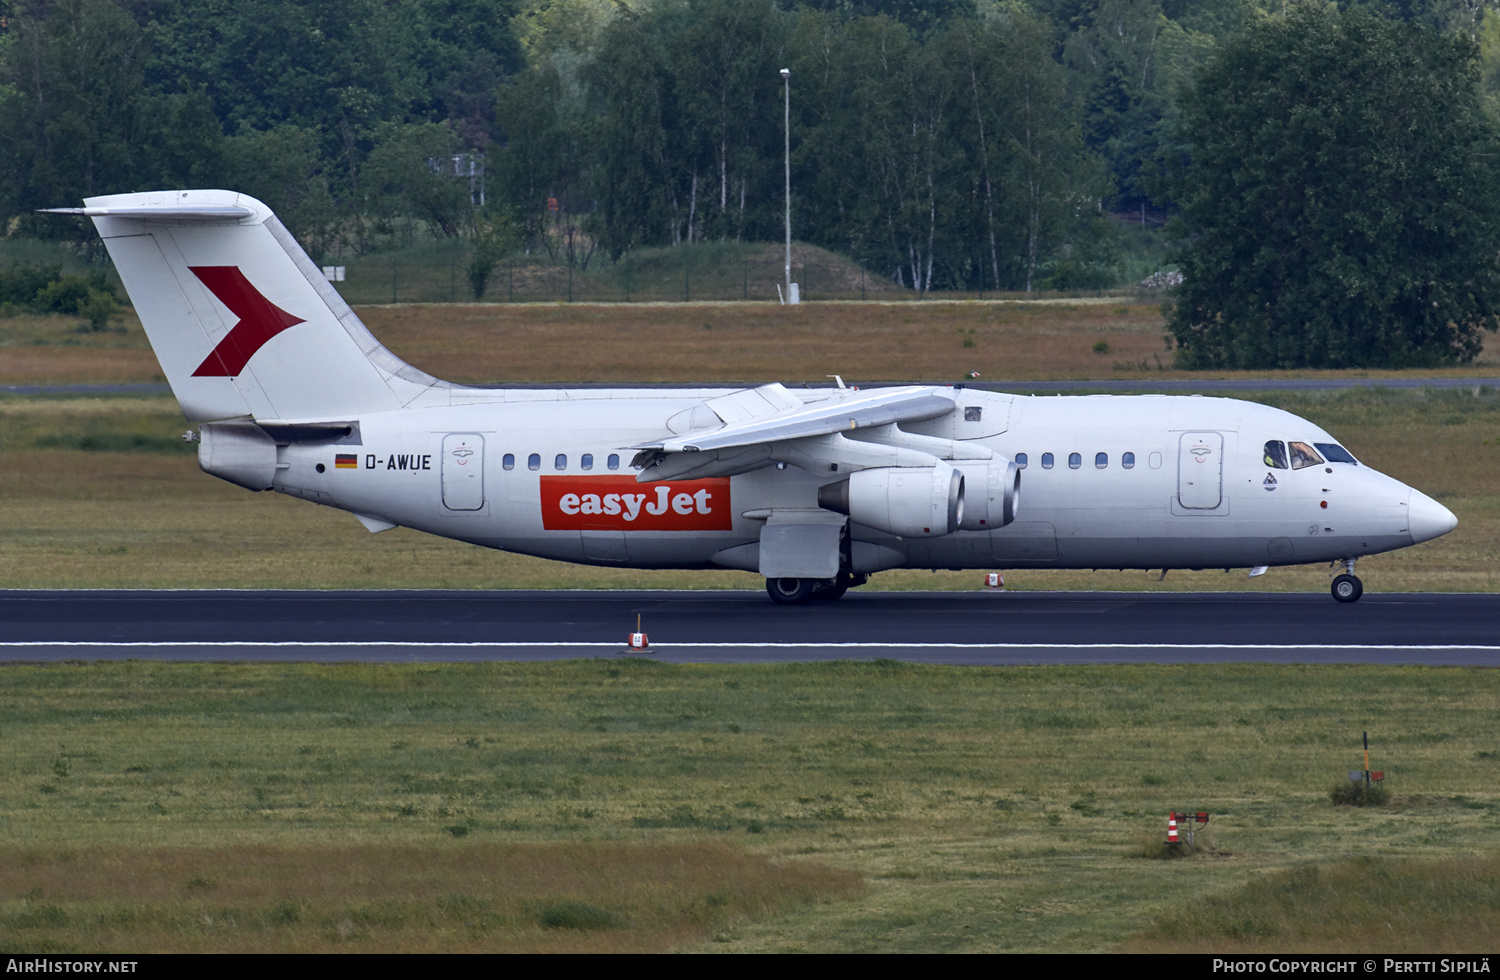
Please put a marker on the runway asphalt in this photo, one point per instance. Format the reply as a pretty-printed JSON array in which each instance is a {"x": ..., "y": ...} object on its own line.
[{"x": 981, "y": 628}]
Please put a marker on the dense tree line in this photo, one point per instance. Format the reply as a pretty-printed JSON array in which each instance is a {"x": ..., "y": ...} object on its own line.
[
  {"x": 329, "y": 110},
  {"x": 946, "y": 143},
  {"x": 942, "y": 141},
  {"x": 938, "y": 161},
  {"x": 1342, "y": 200}
]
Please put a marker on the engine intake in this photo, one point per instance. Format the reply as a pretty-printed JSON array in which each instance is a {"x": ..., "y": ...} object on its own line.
[
  {"x": 907, "y": 501},
  {"x": 992, "y": 493}
]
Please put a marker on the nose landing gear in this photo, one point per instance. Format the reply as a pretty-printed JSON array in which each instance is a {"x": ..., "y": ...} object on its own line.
[{"x": 1346, "y": 587}]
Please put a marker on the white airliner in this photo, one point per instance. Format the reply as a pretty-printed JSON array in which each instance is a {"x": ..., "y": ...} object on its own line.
[{"x": 815, "y": 489}]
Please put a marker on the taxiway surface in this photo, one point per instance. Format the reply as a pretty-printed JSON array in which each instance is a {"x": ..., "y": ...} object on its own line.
[{"x": 935, "y": 627}]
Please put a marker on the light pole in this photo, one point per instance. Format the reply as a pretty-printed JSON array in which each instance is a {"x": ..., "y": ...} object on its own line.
[{"x": 786, "y": 77}]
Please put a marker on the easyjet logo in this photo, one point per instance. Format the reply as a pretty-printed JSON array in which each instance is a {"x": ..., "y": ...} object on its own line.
[
  {"x": 260, "y": 320},
  {"x": 605, "y": 503}
]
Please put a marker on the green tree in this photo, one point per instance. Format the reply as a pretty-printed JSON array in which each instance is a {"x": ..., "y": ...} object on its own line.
[
  {"x": 875, "y": 160},
  {"x": 76, "y": 119},
  {"x": 1341, "y": 206},
  {"x": 284, "y": 168},
  {"x": 545, "y": 170},
  {"x": 320, "y": 64},
  {"x": 921, "y": 17},
  {"x": 496, "y": 233},
  {"x": 410, "y": 176},
  {"x": 1039, "y": 185},
  {"x": 725, "y": 63}
]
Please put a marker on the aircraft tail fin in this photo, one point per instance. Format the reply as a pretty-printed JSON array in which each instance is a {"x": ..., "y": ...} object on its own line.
[{"x": 243, "y": 323}]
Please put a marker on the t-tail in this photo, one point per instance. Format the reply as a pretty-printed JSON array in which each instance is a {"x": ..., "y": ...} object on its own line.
[{"x": 243, "y": 323}]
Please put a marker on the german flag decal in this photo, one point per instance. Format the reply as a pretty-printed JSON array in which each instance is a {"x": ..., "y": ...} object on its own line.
[{"x": 346, "y": 461}]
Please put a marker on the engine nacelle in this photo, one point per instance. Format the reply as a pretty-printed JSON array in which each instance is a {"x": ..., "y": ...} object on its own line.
[
  {"x": 907, "y": 501},
  {"x": 992, "y": 492},
  {"x": 240, "y": 452}
]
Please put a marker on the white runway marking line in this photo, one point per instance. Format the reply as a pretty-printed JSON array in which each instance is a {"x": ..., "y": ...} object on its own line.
[{"x": 594, "y": 644}]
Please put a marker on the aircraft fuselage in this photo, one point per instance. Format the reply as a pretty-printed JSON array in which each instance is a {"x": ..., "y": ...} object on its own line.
[{"x": 1133, "y": 482}]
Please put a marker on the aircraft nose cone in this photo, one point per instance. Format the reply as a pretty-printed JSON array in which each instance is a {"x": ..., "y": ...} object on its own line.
[{"x": 1427, "y": 518}]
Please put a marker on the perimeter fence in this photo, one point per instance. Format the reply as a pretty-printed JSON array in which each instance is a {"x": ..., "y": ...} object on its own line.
[{"x": 700, "y": 273}]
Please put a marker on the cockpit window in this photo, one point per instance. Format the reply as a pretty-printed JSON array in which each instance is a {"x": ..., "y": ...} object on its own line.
[
  {"x": 1276, "y": 454},
  {"x": 1335, "y": 453},
  {"x": 1304, "y": 455}
]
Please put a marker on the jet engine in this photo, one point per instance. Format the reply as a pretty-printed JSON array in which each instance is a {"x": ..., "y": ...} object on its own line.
[
  {"x": 240, "y": 452},
  {"x": 992, "y": 493},
  {"x": 907, "y": 501}
]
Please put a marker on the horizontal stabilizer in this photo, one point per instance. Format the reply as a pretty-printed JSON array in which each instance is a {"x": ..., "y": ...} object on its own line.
[{"x": 164, "y": 212}]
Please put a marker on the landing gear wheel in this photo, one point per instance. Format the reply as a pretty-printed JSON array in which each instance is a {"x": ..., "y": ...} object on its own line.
[
  {"x": 1347, "y": 588},
  {"x": 836, "y": 587},
  {"x": 790, "y": 591},
  {"x": 832, "y": 589}
]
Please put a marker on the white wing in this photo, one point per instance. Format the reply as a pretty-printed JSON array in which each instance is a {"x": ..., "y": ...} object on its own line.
[{"x": 846, "y": 431}]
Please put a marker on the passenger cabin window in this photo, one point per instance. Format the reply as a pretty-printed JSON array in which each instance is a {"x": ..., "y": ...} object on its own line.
[
  {"x": 509, "y": 462},
  {"x": 561, "y": 462},
  {"x": 1335, "y": 453},
  {"x": 613, "y": 462},
  {"x": 1074, "y": 461},
  {"x": 1303, "y": 455},
  {"x": 1128, "y": 461},
  {"x": 1101, "y": 460},
  {"x": 534, "y": 461},
  {"x": 586, "y": 461},
  {"x": 1276, "y": 454},
  {"x": 1046, "y": 461},
  {"x": 1021, "y": 460}
]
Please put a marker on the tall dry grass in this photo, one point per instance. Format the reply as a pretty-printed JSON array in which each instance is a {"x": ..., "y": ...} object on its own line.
[
  {"x": 561, "y": 343},
  {"x": 738, "y": 342},
  {"x": 1364, "y": 906},
  {"x": 576, "y": 897}
]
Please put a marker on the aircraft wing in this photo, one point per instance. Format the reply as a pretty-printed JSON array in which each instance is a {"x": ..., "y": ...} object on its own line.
[{"x": 768, "y": 423}]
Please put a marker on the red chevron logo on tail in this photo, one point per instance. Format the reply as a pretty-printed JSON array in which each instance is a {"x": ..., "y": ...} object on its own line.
[{"x": 260, "y": 320}]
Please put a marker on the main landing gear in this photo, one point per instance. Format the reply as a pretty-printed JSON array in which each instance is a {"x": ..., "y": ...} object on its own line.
[
  {"x": 796, "y": 591},
  {"x": 1346, "y": 587}
]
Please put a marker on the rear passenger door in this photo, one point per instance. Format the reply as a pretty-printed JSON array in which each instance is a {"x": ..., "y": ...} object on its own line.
[{"x": 463, "y": 471}]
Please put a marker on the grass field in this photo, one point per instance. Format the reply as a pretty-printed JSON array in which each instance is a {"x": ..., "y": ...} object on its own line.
[
  {"x": 834, "y": 807},
  {"x": 702, "y": 342},
  {"x": 618, "y": 805}
]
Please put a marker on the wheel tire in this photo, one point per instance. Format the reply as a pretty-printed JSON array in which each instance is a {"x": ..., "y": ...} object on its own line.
[
  {"x": 834, "y": 589},
  {"x": 790, "y": 591},
  {"x": 1347, "y": 588}
]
